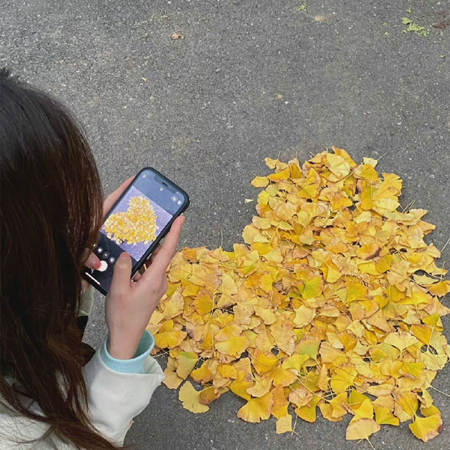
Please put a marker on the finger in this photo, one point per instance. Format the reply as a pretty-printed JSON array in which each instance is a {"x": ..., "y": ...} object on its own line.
[
  {"x": 153, "y": 256},
  {"x": 112, "y": 198},
  {"x": 157, "y": 250},
  {"x": 147, "y": 263},
  {"x": 151, "y": 260},
  {"x": 137, "y": 276},
  {"x": 121, "y": 279},
  {"x": 93, "y": 262},
  {"x": 84, "y": 286},
  {"x": 168, "y": 250}
]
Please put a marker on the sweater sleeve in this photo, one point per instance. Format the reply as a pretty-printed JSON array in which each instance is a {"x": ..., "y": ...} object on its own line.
[
  {"x": 86, "y": 302},
  {"x": 115, "y": 398},
  {"x": 133, "y": 365}
]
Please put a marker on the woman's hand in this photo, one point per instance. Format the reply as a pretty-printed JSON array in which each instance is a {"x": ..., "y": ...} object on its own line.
[
  {"x": 93, "y": 262},
  {"x": 130, "y": 304}
]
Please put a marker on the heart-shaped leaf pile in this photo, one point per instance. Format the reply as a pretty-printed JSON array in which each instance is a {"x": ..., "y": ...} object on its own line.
[{"x": 331, "y": 305}]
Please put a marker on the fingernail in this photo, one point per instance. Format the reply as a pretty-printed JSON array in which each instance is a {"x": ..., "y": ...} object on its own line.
[
  {"x": 96, "y": 262},
  {"x": 123, "y": 255},
  {"x": 184, "y": 220}
]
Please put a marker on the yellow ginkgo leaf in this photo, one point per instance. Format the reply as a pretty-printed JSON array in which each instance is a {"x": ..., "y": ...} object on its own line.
[
  {"x": 172, "y": 380},
  {"x": 284, "y": 424},
  {"x": 169, "y": 339},
  {"x": 368, "y": 251},
  {"x": 261, "y": 223},
  {"x": 365, "y": 411},
  {"x": 362, "y": 429},
  {"x": 440, "y": 289},
  {"x": 308, "y": 346},
  {"x": 186, "y": 363},
  {"x": 191, "y": 399},
  {"x": 337, "y": 404},
  {"x": 295, "y": 362},
  {"x": 413, "y": 369},
  {"x": 203, "y": 374},
  {"x": 260, "y": 182},
  {"x": 384, "y": 264},
  {"x": 240, "y": 385},
  {"x": 400, "y": 340},
  {"x": 355, "y": 291},
  {"x": 234, "y": 346},
  {"x": 384, "y": 416},
  {"x": 406, "y": 405},
  {"x": 282, "y": 175},
  {"x": 227, "y": 371},
  {"x": 303, "y": 316},
  {"x": 422, "y": 332},
  {"x": 280, "y": 402},
  {"x": 261, "y": 387},
  {"x": 266, "y": 314},
  {"x": 283, "y": 377},
  {"x": 208, "y": 395},
  {"x": 356, "y": 399},
  {"x": 313, "y": 288},
  {"x": 204, "y": 302},
  {"x": 173, "y": 306},
  {"x": 343, "y": 379},
  {"x": 228, "y": 285},
  {"x": 426, "y": 428},
  {"x": 257, "y": 409},
  {"x": 309, "y": 412},
  {"x": 263, "y": 361}
]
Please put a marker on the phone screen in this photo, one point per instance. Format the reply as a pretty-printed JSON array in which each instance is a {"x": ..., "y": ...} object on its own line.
[{"x": 136, "y": 223}]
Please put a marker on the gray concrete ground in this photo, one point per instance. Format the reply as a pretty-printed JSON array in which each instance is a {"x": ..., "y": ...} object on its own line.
[{"x": 251, "y": 79}]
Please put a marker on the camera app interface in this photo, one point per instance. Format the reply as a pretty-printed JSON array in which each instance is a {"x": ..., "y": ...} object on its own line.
[{"x": 135, "y": 223}]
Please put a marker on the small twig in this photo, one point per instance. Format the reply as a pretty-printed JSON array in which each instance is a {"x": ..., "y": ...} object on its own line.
[
  {"x": 221, "y": 239},
  {"x": 445, "y": 246},
  {"x": 408, "y": 207},
  {"x": 295, "y": 424},
  {"x": 440, "y": 392},
  {"x": 381, "y": 157},
  {"x": 370, "y": 443}
]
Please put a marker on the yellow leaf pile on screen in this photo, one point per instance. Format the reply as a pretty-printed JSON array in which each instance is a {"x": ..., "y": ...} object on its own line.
[
  {"x": 136, "y": 224},
  {"x": 331, "y": 305}
]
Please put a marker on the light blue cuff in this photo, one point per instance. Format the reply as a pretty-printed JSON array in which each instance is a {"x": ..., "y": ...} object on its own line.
[{"x": 134, "y": 365}]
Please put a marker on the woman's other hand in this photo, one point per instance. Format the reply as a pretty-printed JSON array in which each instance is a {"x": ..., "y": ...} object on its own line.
[{"x": 130, "y": 304}]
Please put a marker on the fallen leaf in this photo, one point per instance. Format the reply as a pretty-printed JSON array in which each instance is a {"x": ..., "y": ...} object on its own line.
[
  {"x": 257, "y": 409},
  {"x": 426, "y": 428},
  {"x": 191, "y": 399},
  {"x": 362, "y": 429},
  {"x": 177, "y": 36},
  {"x": 284, "y": 424}
]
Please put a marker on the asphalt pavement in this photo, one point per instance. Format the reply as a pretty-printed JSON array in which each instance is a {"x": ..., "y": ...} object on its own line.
[{"x": 246, "y": 79}]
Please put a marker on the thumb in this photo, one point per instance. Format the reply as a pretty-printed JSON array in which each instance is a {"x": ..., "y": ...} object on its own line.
[{"x": 121, "y": 279}]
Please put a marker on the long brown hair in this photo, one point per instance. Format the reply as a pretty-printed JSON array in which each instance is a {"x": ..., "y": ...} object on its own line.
[{"x": 51, "y": 206}]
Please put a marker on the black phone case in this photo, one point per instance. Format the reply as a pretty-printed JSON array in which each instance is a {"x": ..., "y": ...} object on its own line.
[{"x": 158, "y": 239}]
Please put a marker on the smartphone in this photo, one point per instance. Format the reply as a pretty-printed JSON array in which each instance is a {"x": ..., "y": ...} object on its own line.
[{"x": 136, "y": 224}]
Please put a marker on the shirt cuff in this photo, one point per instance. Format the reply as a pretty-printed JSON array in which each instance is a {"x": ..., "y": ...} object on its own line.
[{"x": 134, "y": 365}]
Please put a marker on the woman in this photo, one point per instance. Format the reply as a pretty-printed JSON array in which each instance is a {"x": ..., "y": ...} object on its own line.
[{"x": 50, "y": 214}]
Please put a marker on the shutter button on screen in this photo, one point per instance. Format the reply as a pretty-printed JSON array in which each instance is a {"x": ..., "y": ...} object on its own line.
[{"x": 103, "y": 266}]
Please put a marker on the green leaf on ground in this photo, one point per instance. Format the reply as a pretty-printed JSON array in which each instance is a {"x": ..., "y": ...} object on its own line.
[{"x": 414, "y": 27}]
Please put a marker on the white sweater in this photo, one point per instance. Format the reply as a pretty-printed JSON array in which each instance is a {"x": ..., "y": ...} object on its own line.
[{"x": 114, "y": 399}]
